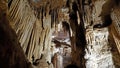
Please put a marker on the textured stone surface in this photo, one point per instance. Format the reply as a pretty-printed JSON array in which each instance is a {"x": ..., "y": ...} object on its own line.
[
  {"x": 87, "y": 22},
  {"x": 11, "y": 53},
  {"x": 98, "y": 54},
  {"x": 33, "y": 33}
]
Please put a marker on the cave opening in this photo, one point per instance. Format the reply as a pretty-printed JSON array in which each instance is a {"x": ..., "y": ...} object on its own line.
[{"x": 61, "y": 45}]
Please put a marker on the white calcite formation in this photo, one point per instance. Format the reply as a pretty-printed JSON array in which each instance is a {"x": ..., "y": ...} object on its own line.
[{"x": 98, "y": 54}]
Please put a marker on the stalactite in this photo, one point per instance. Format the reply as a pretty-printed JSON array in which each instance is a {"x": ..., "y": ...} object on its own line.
[{"x": 31, "y": 26}]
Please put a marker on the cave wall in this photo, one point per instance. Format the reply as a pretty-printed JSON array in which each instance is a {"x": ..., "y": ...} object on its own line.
[
  {"x": 100, "y": 52},
  {"x": 34, "y": 23},
  {"x": 12, "y": 55},
  {"x": 32, "y": 28},
  {"x": 98, "y": 19}
]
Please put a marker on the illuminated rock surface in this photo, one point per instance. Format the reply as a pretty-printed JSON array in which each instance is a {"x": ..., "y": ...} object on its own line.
[{"x": 56, "y": 33}]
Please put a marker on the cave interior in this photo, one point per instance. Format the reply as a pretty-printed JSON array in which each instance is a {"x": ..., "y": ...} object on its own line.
[{"x": 59, "y": 34}]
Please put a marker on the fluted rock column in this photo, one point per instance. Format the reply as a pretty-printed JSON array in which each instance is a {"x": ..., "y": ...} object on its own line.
[{"x": 98, "y": 50}]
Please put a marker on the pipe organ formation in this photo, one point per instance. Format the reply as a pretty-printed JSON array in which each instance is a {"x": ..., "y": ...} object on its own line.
[{"x": 28, "y": 29}]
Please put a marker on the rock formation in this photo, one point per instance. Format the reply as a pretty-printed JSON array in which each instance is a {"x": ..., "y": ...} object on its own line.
[
  {"x": 12, "y": 55},
  {"x": 29, "y": 29}
]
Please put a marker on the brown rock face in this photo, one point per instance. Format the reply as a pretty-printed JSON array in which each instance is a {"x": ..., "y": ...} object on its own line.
[{"x": 11, "y": 53}]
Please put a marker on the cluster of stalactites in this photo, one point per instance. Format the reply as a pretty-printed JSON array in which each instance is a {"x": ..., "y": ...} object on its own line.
[{"x": 47, "y": 7}]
